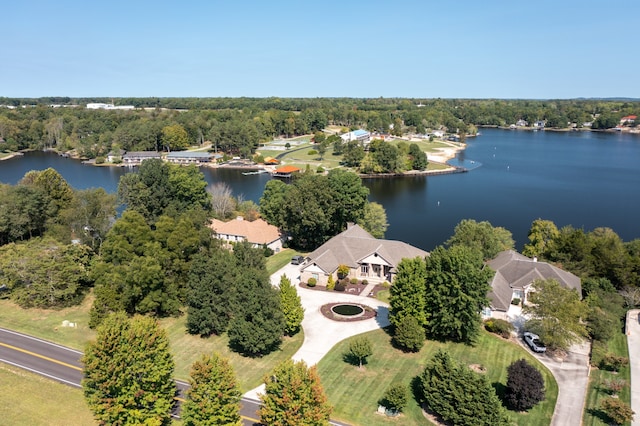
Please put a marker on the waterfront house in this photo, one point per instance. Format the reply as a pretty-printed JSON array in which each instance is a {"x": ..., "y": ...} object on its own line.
[
  {"x": 136, "y": 157},
  {"x": 629, "y": 119},
  {"x": 189, "y": 157},
  {"x": 258, "y": 232},
  {"x": 367, "y": 257},
  {"x": 515, "y": 274},
  {"x": 521, "y": 123}
]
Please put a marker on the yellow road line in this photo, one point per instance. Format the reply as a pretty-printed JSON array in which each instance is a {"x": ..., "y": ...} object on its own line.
[
  {"x": 46, "y": 358},
  {"x": 251, "y": 419}
]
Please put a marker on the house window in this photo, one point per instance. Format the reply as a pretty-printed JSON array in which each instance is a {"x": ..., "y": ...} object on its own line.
[
  {"x": 486, "y": 312},
  {"x": 364, "y": 269},
  {"x": 315, "y": 277}
]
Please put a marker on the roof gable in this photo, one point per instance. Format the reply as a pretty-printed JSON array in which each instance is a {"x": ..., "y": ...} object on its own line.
[{"x": 256, "y": 232}]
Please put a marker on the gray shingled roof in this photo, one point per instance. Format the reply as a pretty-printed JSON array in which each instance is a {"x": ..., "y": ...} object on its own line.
[
  {"x": 515, "y": 271},
  {"x": 354, "y": 244}
]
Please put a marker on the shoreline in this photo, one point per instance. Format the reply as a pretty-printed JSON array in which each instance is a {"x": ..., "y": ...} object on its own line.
[{"x": 625, "y": 130}]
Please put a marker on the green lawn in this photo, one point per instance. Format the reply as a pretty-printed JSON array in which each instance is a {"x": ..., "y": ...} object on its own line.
[
  {"x": 278, "y": 260},
  {"x": 596, "y": 393},
  {"x": 47, "y": 324},
  {"x": 355, "y": 394},
  {"x": 28, "y": 399}
]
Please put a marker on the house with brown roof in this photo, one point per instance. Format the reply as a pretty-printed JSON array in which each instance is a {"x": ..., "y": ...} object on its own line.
[
  {"x": 285, "y": 171},
  {"x": 258, "y": 232},
  {"x": 367, "y": 257},
  {"x": 515, "y": 274}
]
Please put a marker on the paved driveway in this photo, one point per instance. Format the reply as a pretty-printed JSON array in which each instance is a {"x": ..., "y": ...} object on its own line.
[
  {"x": 633, "y": 341},
  {"x": 320, "y": 333},
  {"x": 572, "y": 376}
]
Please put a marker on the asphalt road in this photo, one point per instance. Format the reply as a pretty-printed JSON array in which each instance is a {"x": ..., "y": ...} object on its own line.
[{"x": 63, "y": 365}]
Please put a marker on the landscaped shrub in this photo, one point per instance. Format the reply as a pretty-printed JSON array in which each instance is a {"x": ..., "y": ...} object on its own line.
[
  {"x": 614, "y": 386},
  {"x": 612, "y": 362},
  {"x": 365, "y": 282},
  {"x": 525, "y": 386},
  {"x": 395, "y": 398},
  {"x": 516, "y": 301},
  {"x": 618, "y": 411},
  {"x": 331, "y": 284},
  {"x": 320, "y": 169},
  {"x": 341, "y": 285},
  {"x": 343, "y": 271},
  {"x": 354, "y": 281},
  {"x": 386, "y": 284},
  {"x": 498, "y": 326},
  {"x": 312, "y": 152},
  {"x": 311, "y": 282},
  {"x": 409, "y": 335}
]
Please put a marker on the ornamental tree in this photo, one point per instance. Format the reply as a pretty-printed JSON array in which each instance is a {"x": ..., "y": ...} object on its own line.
[
  {"x": 213, "y": 398},
  {"x": 525, "y": 386},
  {"x": 294, "y": 397},
  {"x": 128, "y": 372},
  {"x": 408, "y": 292},
  {"x": 360, "y": 349},
  {"x": 409, "y": 335}
]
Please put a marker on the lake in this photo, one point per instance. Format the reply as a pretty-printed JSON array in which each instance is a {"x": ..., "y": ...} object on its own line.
[{"x": 583, "y": 179}]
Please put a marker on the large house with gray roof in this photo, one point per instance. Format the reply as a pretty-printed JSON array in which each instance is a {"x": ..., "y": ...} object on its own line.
[
  {"x": 367, "y": 257},
  {"x": 515, "y": 274}
]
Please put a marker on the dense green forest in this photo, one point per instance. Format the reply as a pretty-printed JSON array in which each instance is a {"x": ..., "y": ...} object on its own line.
[{"x": 238, "y": 125}]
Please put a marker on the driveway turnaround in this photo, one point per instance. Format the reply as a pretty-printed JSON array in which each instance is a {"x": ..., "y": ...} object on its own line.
[
  {"x": 633, "y": 340},
  {"x": 320, "y": 333}
]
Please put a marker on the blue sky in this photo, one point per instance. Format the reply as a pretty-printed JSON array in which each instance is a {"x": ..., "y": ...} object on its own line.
[{"x": 401, "y": 48}]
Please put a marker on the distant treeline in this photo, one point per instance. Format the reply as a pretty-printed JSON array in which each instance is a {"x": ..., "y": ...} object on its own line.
[{"x": 238, "y": 125}]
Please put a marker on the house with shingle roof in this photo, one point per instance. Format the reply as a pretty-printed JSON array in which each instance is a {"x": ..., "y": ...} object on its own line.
[
  {"x": 515, "y": 274},
  {"x": 258, "y": 232},
  {"x": 367, "y": 257}
]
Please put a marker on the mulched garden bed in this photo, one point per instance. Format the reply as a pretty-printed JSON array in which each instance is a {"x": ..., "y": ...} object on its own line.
[
  {"x": 369, "y": 312},
  {"x": 354, "y": 289}
]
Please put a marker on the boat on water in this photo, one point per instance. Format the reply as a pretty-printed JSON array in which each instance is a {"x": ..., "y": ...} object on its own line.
[{"x": 254, "y": 172}]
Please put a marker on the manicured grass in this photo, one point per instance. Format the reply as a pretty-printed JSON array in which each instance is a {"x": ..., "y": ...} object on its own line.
[
  {"x": 355, "y": 394},
  {"x": 28, "y": 399},
  {"x": 278, "y": 260},
  {"x": 383, "y": 295},
  {"x": 249, "y": 371},
  {"x": 47, "y": 323},
  {"x": 596, "y": 392}
]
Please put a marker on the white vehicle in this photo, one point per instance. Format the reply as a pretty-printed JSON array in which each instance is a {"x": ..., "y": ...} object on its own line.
[{"x": 534, "y": 342}]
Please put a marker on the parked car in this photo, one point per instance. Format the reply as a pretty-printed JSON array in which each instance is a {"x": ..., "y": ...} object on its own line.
[
  {"x": 297, "y": 260},
  {"x": 534, "y": 342}
]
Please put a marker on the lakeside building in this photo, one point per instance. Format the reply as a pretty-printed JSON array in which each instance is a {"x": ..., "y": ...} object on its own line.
[
  {"x": 97, "y": 105},
  {"x": 258, "y": 232},
  {"x": 285, "y": 171},
  {"x": 189, "y": 157},
  {"x": 136, "y": 157},
  {"x": 367, "y": 257}
]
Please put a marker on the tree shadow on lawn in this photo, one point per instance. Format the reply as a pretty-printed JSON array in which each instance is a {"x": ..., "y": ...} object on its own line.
[{"x": 599, "y": 414}]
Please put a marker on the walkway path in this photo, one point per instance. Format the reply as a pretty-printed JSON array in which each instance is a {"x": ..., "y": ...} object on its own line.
[
  {"x": 320, "y": 333},
  {"x": 633, "y": 340}
]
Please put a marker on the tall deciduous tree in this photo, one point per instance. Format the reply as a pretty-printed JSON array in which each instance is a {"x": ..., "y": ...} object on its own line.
[
  {"x": 482, "y": 236},
  {"x": 211, "y": 293},
  {"x": 408, "y": 296},
  {"x": 294, "y": 397},
  {"x": 213, "y": 398},
  {"x": 291, "y": 306},
  {"x": 418, "y": 157},
  {"x": 128, "y": 373},
  {"x": 175, "y": 137},
  {"x": 374, "y": 219},
  {"x": 457, "y": 283},
  {"x": 557, "y": 314},
  {"x": 459, "y": 395},
  {"x": 541, "y": 236}
]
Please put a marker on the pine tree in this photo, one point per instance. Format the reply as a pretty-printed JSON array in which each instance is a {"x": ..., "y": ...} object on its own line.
[
  {"x": 213, "y": 398},
  {"x": 408, "y": 335},
  {"x": 128, "y": 374},
  {"x": 459, "y": 395},
  {"x": 291, "y": 306},
  {"x": 294, "y": 397}
]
